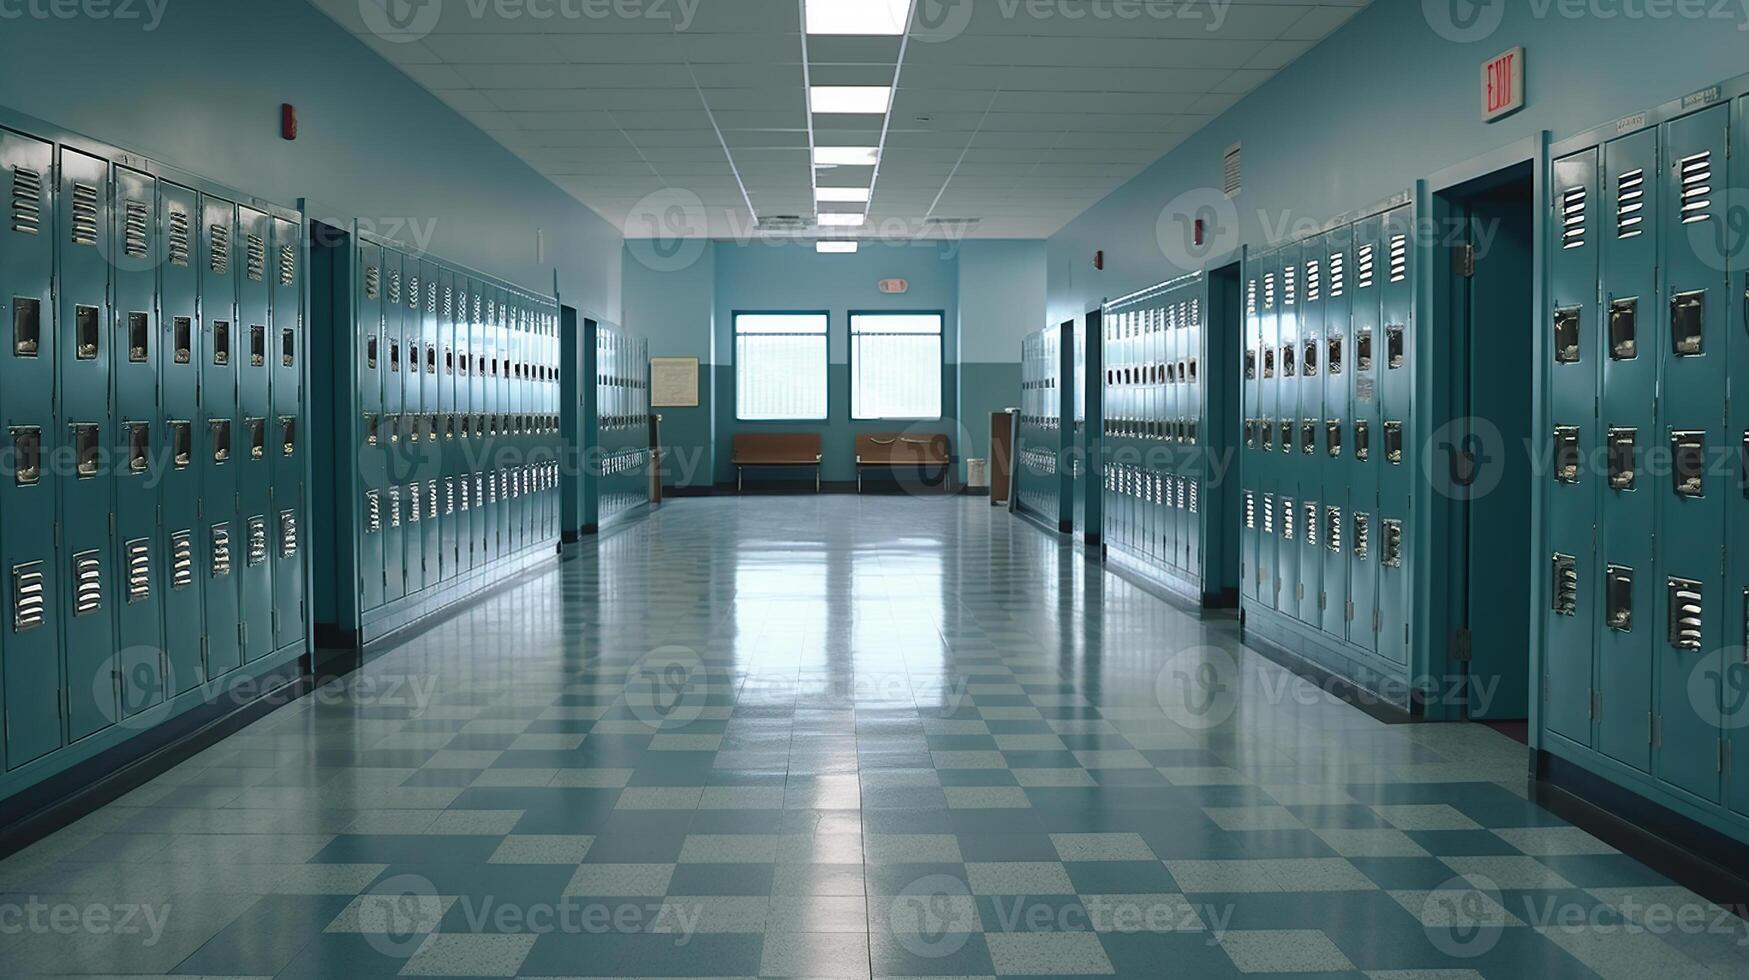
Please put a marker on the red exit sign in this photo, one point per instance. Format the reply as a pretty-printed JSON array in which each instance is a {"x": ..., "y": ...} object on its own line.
[{"x": 1502, "y": 84}]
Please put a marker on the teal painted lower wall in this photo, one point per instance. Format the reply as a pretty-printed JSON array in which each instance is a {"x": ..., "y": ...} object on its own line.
[{"x": 984, "y": 388}]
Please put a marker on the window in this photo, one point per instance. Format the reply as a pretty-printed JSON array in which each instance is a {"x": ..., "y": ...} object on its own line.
[
  {"x": 780, "y": 366},
  {"x": 895, "y": 365}
]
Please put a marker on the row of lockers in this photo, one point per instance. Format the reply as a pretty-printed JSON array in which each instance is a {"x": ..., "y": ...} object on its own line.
[
  {"x": 1646, "y": 494},
  {"x": 1043, "y": 467},
  {"x": 622, "y": 396},
  {"x": 1328, "y": 463},
  {"x": 152, "y": 395}
]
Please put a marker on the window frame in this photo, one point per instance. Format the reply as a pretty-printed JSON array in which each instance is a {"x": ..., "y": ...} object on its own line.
[
  {"x": 941, "y": 378},
  {"x": 735, "y": 347}
]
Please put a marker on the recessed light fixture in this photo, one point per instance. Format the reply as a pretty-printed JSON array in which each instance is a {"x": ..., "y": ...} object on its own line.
[
  {"x": 890, "y": 17},
  {"x": 846, "y": 156},
  {"x": 835, "y": 248},
  {"x": 873, "y": 99},
  {"x": 841, "y": 195},
  {"x": 852, "y": 220}
]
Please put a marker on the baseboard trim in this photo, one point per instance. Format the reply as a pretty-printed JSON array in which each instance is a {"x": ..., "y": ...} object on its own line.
[{"x": 1350, "y": 692}]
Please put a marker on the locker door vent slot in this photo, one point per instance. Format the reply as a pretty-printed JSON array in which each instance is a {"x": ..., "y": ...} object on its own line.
[
  {"x": 27, "y": 455},
  {"x": 257, "y": 345},
  {"x": 29, "y": 597},
  {"x": 1338, "y": 274},
  {"x": 448, "y": 495},
  {"x": 415, "y": 513},
  {"x": 1362, "y": 524},
  {"x": 1365, "y": 263},
  {"x": 1392, "y": 556},
  {"x": 220, "y": 258},
  {"x": 27, "y": 326},
  {"x": 394, "y": 507},
  {"x": 1394, "y": 349},
  {"x": 178, "y": 245},
  {"x": 1620, "y": 613},
  {"x": 139, "y": 446},
  {"x": 221, "y": 343},
  {"x": 431, "y": 499},
  {"x": 1333, "y": 529},
  {"x": 87, "y": 448},
  {"x": 1192, "y": 488},
  {"x": 288, "y": 265},
  {"x": 27, "y": 200},
  {"x": 288, "y": 435},
  {"x": 136, "y": 224},
  {"x": 84, "y": 213},
  {"x": 1399, "y": 258},
  {"x": 1630, "y": 203},
  {"x": 1363, "y": 349},
  {"x": 288, "y": 534},
  {"x": 288, "y": 348},
  {"x": 184, "y": 330},
  {"x": 413, "y": 292},
  {"x": 87, "y": 326},
  {"x": 1308, "y": 437},
  {"x": 373, "y": 282},
  {"x": 181, "y": 560},
  {"x": 1314, "y": 282},
  {"x": 221, "y": 436},
  {"x": 1624, "y": 329},
  {"x": 1573, "y": 217},
  {"x": 1362, "y": 440},
  {"x": 1393, "y": 443},
  {"x": 1687, "y": 613},
  {"x": 1269, "y": 513},
  {"x": 1688, "y": 323},
  {"x": 1567, "y": 335},
  {"x": 1309, "y": 358},
  {"x": 1250, "y": 298},
  {"x": 395, "y": 286},
  {"x": 373, "y": 512},
  {"x": 139, "y": 556},
  {"x": 255, "y": 259},
  {"x": 1567, "y": 453},
  {"x": 448, "y": 302},
  {"x": 1622, "y": 468},
  {"x": 1565, "y": 587},
  {"x": 181, "y": 443},
  {"x": 257, "y": 552},
  {"x": 139, "y": 336},
  {"x": 221, "y": 550},
  {"x": 1688, "y": 463},
  {"x": 1696, "y": 175},
  {"x": 1250, "y": 510},
  {"x": 87, "y": 583},
  {"x": 257, "y": 429},
  {"x": 1310, "y": 523},
  {"x": 1289, "y": 282},
  {"x": 1333, "y": 437},
  {"x": 431, "y": 297}
]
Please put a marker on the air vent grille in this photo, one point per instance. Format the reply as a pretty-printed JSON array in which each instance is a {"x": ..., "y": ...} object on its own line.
[
  {"x": 1696, "y": 175},
  {"x": 1399, "y": 258},
  {"x": 1314, "y": 281},
  {"x": 1333, "y": 529},
  {"x": 181, "y": 560},
  {"x": 1630, "y": 204},
  {"x": 84, "y": 213},
  {"x": 221, "y": 550},
  {"x": 1250, "y": 510},
  {"x": 1362, "y": 524},
  {"x": 135, "y": 227},
  {"x": 27, "y": 201},
  {"x": 87, "y": 583},
  {"x": 1311, "y": 524},
  {"x": 1687, "y": 614},
  {"x": 29, "y": 597},
  {"x": 1367, "y": 265},
  {"x": 373, "y": 512},
  {"x": 220, "y": 260},
  {"x": 178, "y": 246},
  {"x": 288, "y": 265},
  {"x": 1573, "y": 218},
  {"x": 255, "y": 261},
  {"x": 1392, "y": 557},
  {"x": 139, "y": 556},
  {"x": 257, "y": 551},
  {"x": 1565, "y": 586}
]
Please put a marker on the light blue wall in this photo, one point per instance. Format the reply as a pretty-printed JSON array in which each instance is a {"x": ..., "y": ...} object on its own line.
[
  {"x": 672, "y": 302},
  {"x": 1385, "y": 101},
  {"x": 1002, "y": 299},
  {"x": 202, "y": 90}
]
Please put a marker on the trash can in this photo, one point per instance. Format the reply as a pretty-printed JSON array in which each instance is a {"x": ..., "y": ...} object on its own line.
[{"x": 977, "y": 473}]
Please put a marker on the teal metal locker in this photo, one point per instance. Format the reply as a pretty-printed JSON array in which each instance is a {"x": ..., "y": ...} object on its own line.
[
  {"x": 286, "y": 438},
  {"x": 254, "y": 461},
  {"x": 1364, "y": 453},
  {"x": 1400, "y": 468},
  {"x": 1335, "y": 374},
  {"x": 370, "y": 362},
  {"x": 182, "y": 358},
  {"x": 219, "y": 540}
]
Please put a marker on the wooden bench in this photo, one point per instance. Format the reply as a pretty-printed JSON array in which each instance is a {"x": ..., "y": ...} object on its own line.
[
  {"x": 777, "y": 449},
  {"x": 890, "y": 450}
]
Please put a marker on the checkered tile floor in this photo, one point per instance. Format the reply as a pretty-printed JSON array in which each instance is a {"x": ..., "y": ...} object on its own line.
[{"x": 841, "y": 737}]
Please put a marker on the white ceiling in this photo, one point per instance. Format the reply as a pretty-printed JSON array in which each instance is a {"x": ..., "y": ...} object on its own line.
[{"x": 1019, "y": 120}]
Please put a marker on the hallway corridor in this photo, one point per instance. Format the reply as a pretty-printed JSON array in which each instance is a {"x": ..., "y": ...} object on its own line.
[{"x": 841, "y": 737}]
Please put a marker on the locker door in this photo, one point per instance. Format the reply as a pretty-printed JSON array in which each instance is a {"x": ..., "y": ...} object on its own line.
[
  {"x": 454, "y": 299},
  {"x": 518, "y": 504},
  {"x": 258, "y": 518},
  {"x": 1621, "y": 345},
  {"x": 1365, "y": 449},
  {"x": 87, "y": 493},
  {"x": 1334, "y": 464},
  {"x": 29, "y": 640},
  {"x": 431, "y": 448},
  {"x": 1251, "y": 399},
  {"x": 1158, "y": 529},
  {"x": 1198, "y": 470},
  {"x": 1288, "y": 464},
  {"x": 1166, "y": 389},
  {"x": 472, "y": 525},
  {"x": 219, "y": 540},
  {"x": 181, "y": 357},
  {"x": 394, "y": 430},
  {"x": 1310, "y": 438},
  {"x": 287, "y": 434},
  {"x": 491, "y": 405},
  {"x": 420, "y": 281},
  {"x": 1736, "y": 715},
  {"x": 1574, "y": 584},
  {"x": 138, "y": 467},
  {"x": 1269, "y": 402},
  {"x": 1691, "y": 530},
  {"x": 370, "y": 361},
  {"x": 1398, "y": 468}
]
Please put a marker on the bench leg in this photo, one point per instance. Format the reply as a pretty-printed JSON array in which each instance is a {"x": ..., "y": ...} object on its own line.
[
  {"x": 737, "y": 480},
  {"x": 816, "y": 479}
]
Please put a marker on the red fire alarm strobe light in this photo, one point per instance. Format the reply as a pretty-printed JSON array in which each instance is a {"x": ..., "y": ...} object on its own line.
[
  {"x": 1099, "y": 259},
  {"x": 288, "y": 121}
]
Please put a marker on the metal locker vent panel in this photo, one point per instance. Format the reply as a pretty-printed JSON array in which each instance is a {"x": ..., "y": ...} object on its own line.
[
  {"x": 1250, "y": 298},
  {"x": 29, "y": 597},
  {"x": 1687, "y": 613},
  {"x": 413, "y": 292},
  {"x": 394, "y": 506},
  {"x": 373, "y": 282},
  {"x": 27, "y": 200},
  {"x": 431, "y": 297},
  {"x": 177, "y": 249},
  {"x": 1567, "y": 350},
  {"x": 136, "y": 229},
  {"x": 1567, "y": 460},
  {"x": 288, "y": 533},
  {"x": 1311, "y": 524},
  {"x": 1696, "y": 175},
  {"x": 431, "y": 499},
  {"x": 1250, "y": 510},
  {"x": 1630, "y": 204},
  {"x": 84, "y": 214},
  {"x": 87, "y": 583},
  {"x": 1269, "y": 513},
  {"x": 415, "y": 513},
  {"x": 1362, "y": 524},
  {"x": 1392, "y": 555},
  {"x": 1289, "y": 291},
  {"x": 373, "y": 512},
  {"x": 1338, "y": 274},
  {"x": 1365, "y": 266},
  {"x": 1688, "y": 323},
  {"x": 1333, "y": 529},
  {"x": 1622, "y": 468},
  {"x": 1619, "y": 608},
  {"x": 1399, "y": 258},
  {"x": 1269, "y": 291},
  {"x": 288, "y": 265},
  {"x": 1688, "y": 463},
  {"x": 255, "y": 259},
  {"x": 139, "y": 569},
  {"x": 220, "y": 237},
  {"x": 221, "y": 550},
  {"x": 1624, "y": 329},
  {"x": 395, "y": 286},
  {"x": 257, "y": 550},
  {"x": 1573, "y": 218},
  {"x": 448, "y": 301},
  {"x": 448, "y": 495},
  {"x": 181, "y": 560},
  {"x": 1314, "y": 282},
  {"x": 1564, "y": 590},
  {"x": 1192, "y": 486}
]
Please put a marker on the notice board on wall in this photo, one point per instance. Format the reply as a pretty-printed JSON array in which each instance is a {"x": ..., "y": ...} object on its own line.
[{"x": 673, "y": 382}]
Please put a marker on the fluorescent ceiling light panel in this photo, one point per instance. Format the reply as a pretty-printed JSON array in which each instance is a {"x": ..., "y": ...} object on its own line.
[
  {"x": 841, "y": 195},
  {"x": 888, "y": 17},
  {"x": 835, "y": 248},
  {"x": 854, "y": 220},
  {"x": 850, "y": 98},
  {"x": 846, "y": 156}
]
